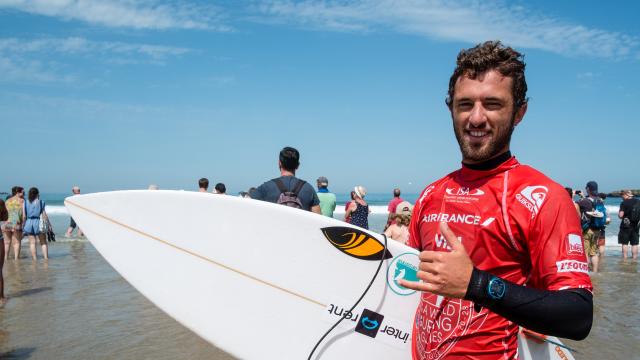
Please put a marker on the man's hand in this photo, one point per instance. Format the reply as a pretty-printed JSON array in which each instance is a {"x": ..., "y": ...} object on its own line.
[{"x": 444, "y": 273}]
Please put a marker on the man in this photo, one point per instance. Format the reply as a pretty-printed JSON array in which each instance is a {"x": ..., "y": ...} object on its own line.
[
  {"x": 591, "y": 227},
  {"x": 628, "y": 234},
  {"x": 391, "y": 208},
  {"x": 288, "y": 189},
  {"x": 72, "y": 224},
  {"x": 220, "y": 189},
  {"x": 327, "y": 198},
  {"x": 203, "y": 185},
  {"x": 500, "y": 242}
]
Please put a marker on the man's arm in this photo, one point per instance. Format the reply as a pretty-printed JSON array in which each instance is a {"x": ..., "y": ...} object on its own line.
[
  {"x": 316, "y": 209},
  {"x": 564, "y": 313}
]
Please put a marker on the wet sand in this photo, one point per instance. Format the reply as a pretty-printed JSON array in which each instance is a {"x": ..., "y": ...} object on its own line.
[{"x": 77, "y": 307}]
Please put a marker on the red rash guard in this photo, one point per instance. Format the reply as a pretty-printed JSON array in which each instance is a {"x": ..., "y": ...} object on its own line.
[{"x": 515, "y": 223}]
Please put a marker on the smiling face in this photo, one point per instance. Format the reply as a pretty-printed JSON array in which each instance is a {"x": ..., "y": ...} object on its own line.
[{"x": 483, "y": 115}]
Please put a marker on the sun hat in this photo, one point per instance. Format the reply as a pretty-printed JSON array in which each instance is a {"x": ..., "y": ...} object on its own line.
[{"x": 360, "y": 190}]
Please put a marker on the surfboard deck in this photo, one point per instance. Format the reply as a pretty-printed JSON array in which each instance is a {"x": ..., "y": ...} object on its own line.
[{"x": 260, "y": 280}]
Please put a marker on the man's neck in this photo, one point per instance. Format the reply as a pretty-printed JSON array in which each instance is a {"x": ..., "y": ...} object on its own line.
[
  {"x": 203, "y": 190},
  {"x": 489, "y": 164},
  {"x": 287, "y": 173}
]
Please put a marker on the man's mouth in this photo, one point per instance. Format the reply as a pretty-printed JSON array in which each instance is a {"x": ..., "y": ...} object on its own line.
[{"x": 477, "y": 134}]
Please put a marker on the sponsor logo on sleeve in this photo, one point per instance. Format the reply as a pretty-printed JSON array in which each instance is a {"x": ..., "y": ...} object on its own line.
[
  {"x": 356, "y": 243},
  {"x": 532, "y": 197},
  {"x": 575, "y": 244},
  {"x": 572, "y": 266},
  {"x": 425, "y": 193}
]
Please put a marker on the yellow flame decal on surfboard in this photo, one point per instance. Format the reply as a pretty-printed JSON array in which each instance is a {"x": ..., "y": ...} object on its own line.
[{"x": 356, "y": 243}]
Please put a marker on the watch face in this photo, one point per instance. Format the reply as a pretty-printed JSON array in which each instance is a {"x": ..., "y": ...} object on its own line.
[{"x": 496, "y": 288}]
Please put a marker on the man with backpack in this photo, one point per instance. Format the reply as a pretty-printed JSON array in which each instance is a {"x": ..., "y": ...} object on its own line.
[
  {"x": 287, "y": 189},
  {"x": 630, "y": 224},
  {"x": 593, "y": 217}
]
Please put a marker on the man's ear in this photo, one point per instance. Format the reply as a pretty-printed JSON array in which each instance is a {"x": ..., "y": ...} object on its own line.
[{"x": 520, "y": 114}]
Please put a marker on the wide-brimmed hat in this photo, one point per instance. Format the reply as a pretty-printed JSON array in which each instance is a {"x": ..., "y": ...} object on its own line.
[{"x": 360, "y": 190}]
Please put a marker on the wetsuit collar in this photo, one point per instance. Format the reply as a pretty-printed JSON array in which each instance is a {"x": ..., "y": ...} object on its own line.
[
  {"x": 491, "y": 163},
  {"x": 497, "y": 165},
  {"x": 323, "y": 190}
]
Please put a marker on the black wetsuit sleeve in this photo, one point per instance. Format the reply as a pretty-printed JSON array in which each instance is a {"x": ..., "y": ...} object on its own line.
[{"x": 563, "y": 313}]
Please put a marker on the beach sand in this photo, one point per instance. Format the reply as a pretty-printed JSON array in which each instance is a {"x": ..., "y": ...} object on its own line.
[{"x": 77, "y": 307}]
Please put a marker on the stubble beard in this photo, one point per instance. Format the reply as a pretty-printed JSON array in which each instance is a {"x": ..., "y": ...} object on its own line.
[{"x": 500, "y": 140}]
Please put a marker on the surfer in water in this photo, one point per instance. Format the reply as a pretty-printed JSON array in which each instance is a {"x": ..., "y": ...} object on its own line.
[{"x": 500, "y": 242}]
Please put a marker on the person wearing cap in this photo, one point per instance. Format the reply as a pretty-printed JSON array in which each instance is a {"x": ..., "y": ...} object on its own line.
[
  {"x": 399, "y": 230},
  {"x": 358, "y": 210},
  {"x": 72, "y": 224},
  {"x": 327, "y": 198},
  {"x": 590, "y": 234},
  {"x": 628, "y": 233}
]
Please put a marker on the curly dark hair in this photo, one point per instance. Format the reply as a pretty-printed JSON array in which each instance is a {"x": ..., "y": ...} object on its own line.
[{"x": 491, "y": 55}]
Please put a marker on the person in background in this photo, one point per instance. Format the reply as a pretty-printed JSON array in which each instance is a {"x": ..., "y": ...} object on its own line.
[
  {"x": 399, "y": 230},
  {"x": 629, "y": 226},
  {"x": 590, "y": 230},
  {"x": 35, "y": 217},
  {"x": 602, "y": 237},
  {"x": 347, "y": 218},
  {"x": 391, "y": 208},
  {"x": 220, "y": 189},
  {"x": 12, "y": 228},
  {"x": 287, "y": 189},
  {"x": 571, "y": 194},
  {"x": 327, "y": 198},
  {"x": 203, "y": 185},
  {"x": 153, "y": 187},
  {"x": 358, "y": 210},
  {"x": 4, "y": 216},
  {"x": 72, "y": 224}
]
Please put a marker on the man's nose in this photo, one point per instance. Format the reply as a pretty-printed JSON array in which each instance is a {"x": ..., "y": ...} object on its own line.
[{"x": 477, "y": 118}]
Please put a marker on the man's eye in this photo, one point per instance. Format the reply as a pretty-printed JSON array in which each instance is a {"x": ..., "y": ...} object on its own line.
[
  {"x": 464, "y": 106},
  {"x": 493, "y": 105}
]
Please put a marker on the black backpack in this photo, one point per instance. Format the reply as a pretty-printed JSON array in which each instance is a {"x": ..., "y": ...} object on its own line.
[
  {"x": 289, "y": 197},
  {"x": 634, "y": 216}
]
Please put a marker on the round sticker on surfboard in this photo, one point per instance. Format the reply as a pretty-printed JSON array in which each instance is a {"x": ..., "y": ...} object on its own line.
[{"x": 402, "y": 267}]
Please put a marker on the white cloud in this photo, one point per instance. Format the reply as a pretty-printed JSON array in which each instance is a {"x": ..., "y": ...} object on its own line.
[
  {"x": 466, "y": 21},
  {"x": 32, "y": 60},
  {"x": 78, "y": 45},
  {"x": 136, "y": 14}
]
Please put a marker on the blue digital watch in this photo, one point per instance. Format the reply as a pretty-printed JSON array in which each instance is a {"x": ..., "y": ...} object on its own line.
[{"x": 496, "y": 288}]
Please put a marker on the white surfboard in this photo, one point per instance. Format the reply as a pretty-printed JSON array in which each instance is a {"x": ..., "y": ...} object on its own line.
[{"x": 260, "y": 280}]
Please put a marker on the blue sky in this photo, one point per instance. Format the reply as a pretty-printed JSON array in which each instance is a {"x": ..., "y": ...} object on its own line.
[{"x": 121, "y": 94}]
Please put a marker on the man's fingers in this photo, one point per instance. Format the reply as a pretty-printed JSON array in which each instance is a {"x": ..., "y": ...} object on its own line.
[
  {"x": 429, "y": 256},
  {"x": 451, "y": 238},
  {"x": 419, "y": 286}
]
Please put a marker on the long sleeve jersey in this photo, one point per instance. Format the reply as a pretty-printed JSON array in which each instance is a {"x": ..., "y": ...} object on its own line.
[{"x": 515, "y": 223}]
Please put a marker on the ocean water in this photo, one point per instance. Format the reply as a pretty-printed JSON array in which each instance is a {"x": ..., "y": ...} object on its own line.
[
  {"x": 75, "y": 306},
  {"x": 377, "y": 218}
]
